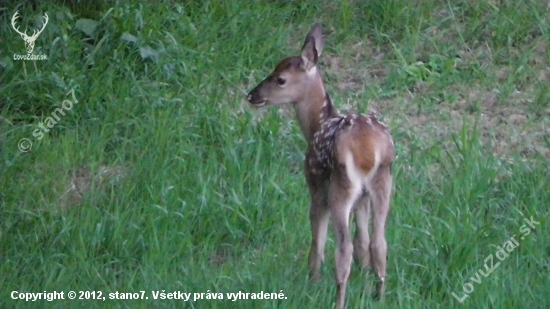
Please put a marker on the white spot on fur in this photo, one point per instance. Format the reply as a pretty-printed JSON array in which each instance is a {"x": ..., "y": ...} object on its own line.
[
  {"x": 312, "y": 72},
  {"x": 357, "y": 178},
  {"x": 354, "y": 175}
]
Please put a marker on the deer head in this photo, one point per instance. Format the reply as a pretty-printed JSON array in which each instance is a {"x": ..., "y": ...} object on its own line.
[
  {"x": 29, "y": 40},
  {"x": 289, "y": 82}
]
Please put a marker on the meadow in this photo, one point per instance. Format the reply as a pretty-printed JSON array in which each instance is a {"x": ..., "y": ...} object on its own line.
[{"x": 161, "y": 178}]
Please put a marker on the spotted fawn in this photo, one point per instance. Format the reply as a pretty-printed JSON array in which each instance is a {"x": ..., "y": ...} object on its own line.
[{"x": 348, "y": 166}]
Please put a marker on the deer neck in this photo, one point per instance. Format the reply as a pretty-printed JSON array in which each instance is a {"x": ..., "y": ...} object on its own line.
[{"x": 315, "y": 108}]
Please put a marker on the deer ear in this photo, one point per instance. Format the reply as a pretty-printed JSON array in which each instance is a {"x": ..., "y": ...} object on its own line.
[{"x": 313, "y": 46}]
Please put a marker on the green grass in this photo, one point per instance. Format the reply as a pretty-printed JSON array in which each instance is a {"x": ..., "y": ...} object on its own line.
[{"x": 185, "y": 188}]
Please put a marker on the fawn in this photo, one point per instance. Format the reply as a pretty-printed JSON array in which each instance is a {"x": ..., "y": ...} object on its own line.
[{"x": 348, "y": 165}]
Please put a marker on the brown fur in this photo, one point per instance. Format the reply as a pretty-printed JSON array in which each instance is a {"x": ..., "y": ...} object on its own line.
[{"x": 347, "y": 168}]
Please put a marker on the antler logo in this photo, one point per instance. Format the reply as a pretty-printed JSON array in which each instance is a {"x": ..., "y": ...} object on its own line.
[{"x": 29, "y": 40}]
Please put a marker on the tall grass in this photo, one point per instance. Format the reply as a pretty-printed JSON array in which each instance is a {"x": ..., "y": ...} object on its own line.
[{"x": 209, "y": 194}]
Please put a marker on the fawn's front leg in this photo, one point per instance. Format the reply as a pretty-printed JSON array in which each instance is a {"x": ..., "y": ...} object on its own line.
[{"x": 319, "y": 218}]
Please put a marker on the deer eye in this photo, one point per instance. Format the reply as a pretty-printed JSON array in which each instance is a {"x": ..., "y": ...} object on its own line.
[{"x": 280, "y": 81}]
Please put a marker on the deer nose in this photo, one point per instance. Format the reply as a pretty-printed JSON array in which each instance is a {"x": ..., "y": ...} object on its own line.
[{"x": 249, "y": 97}]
